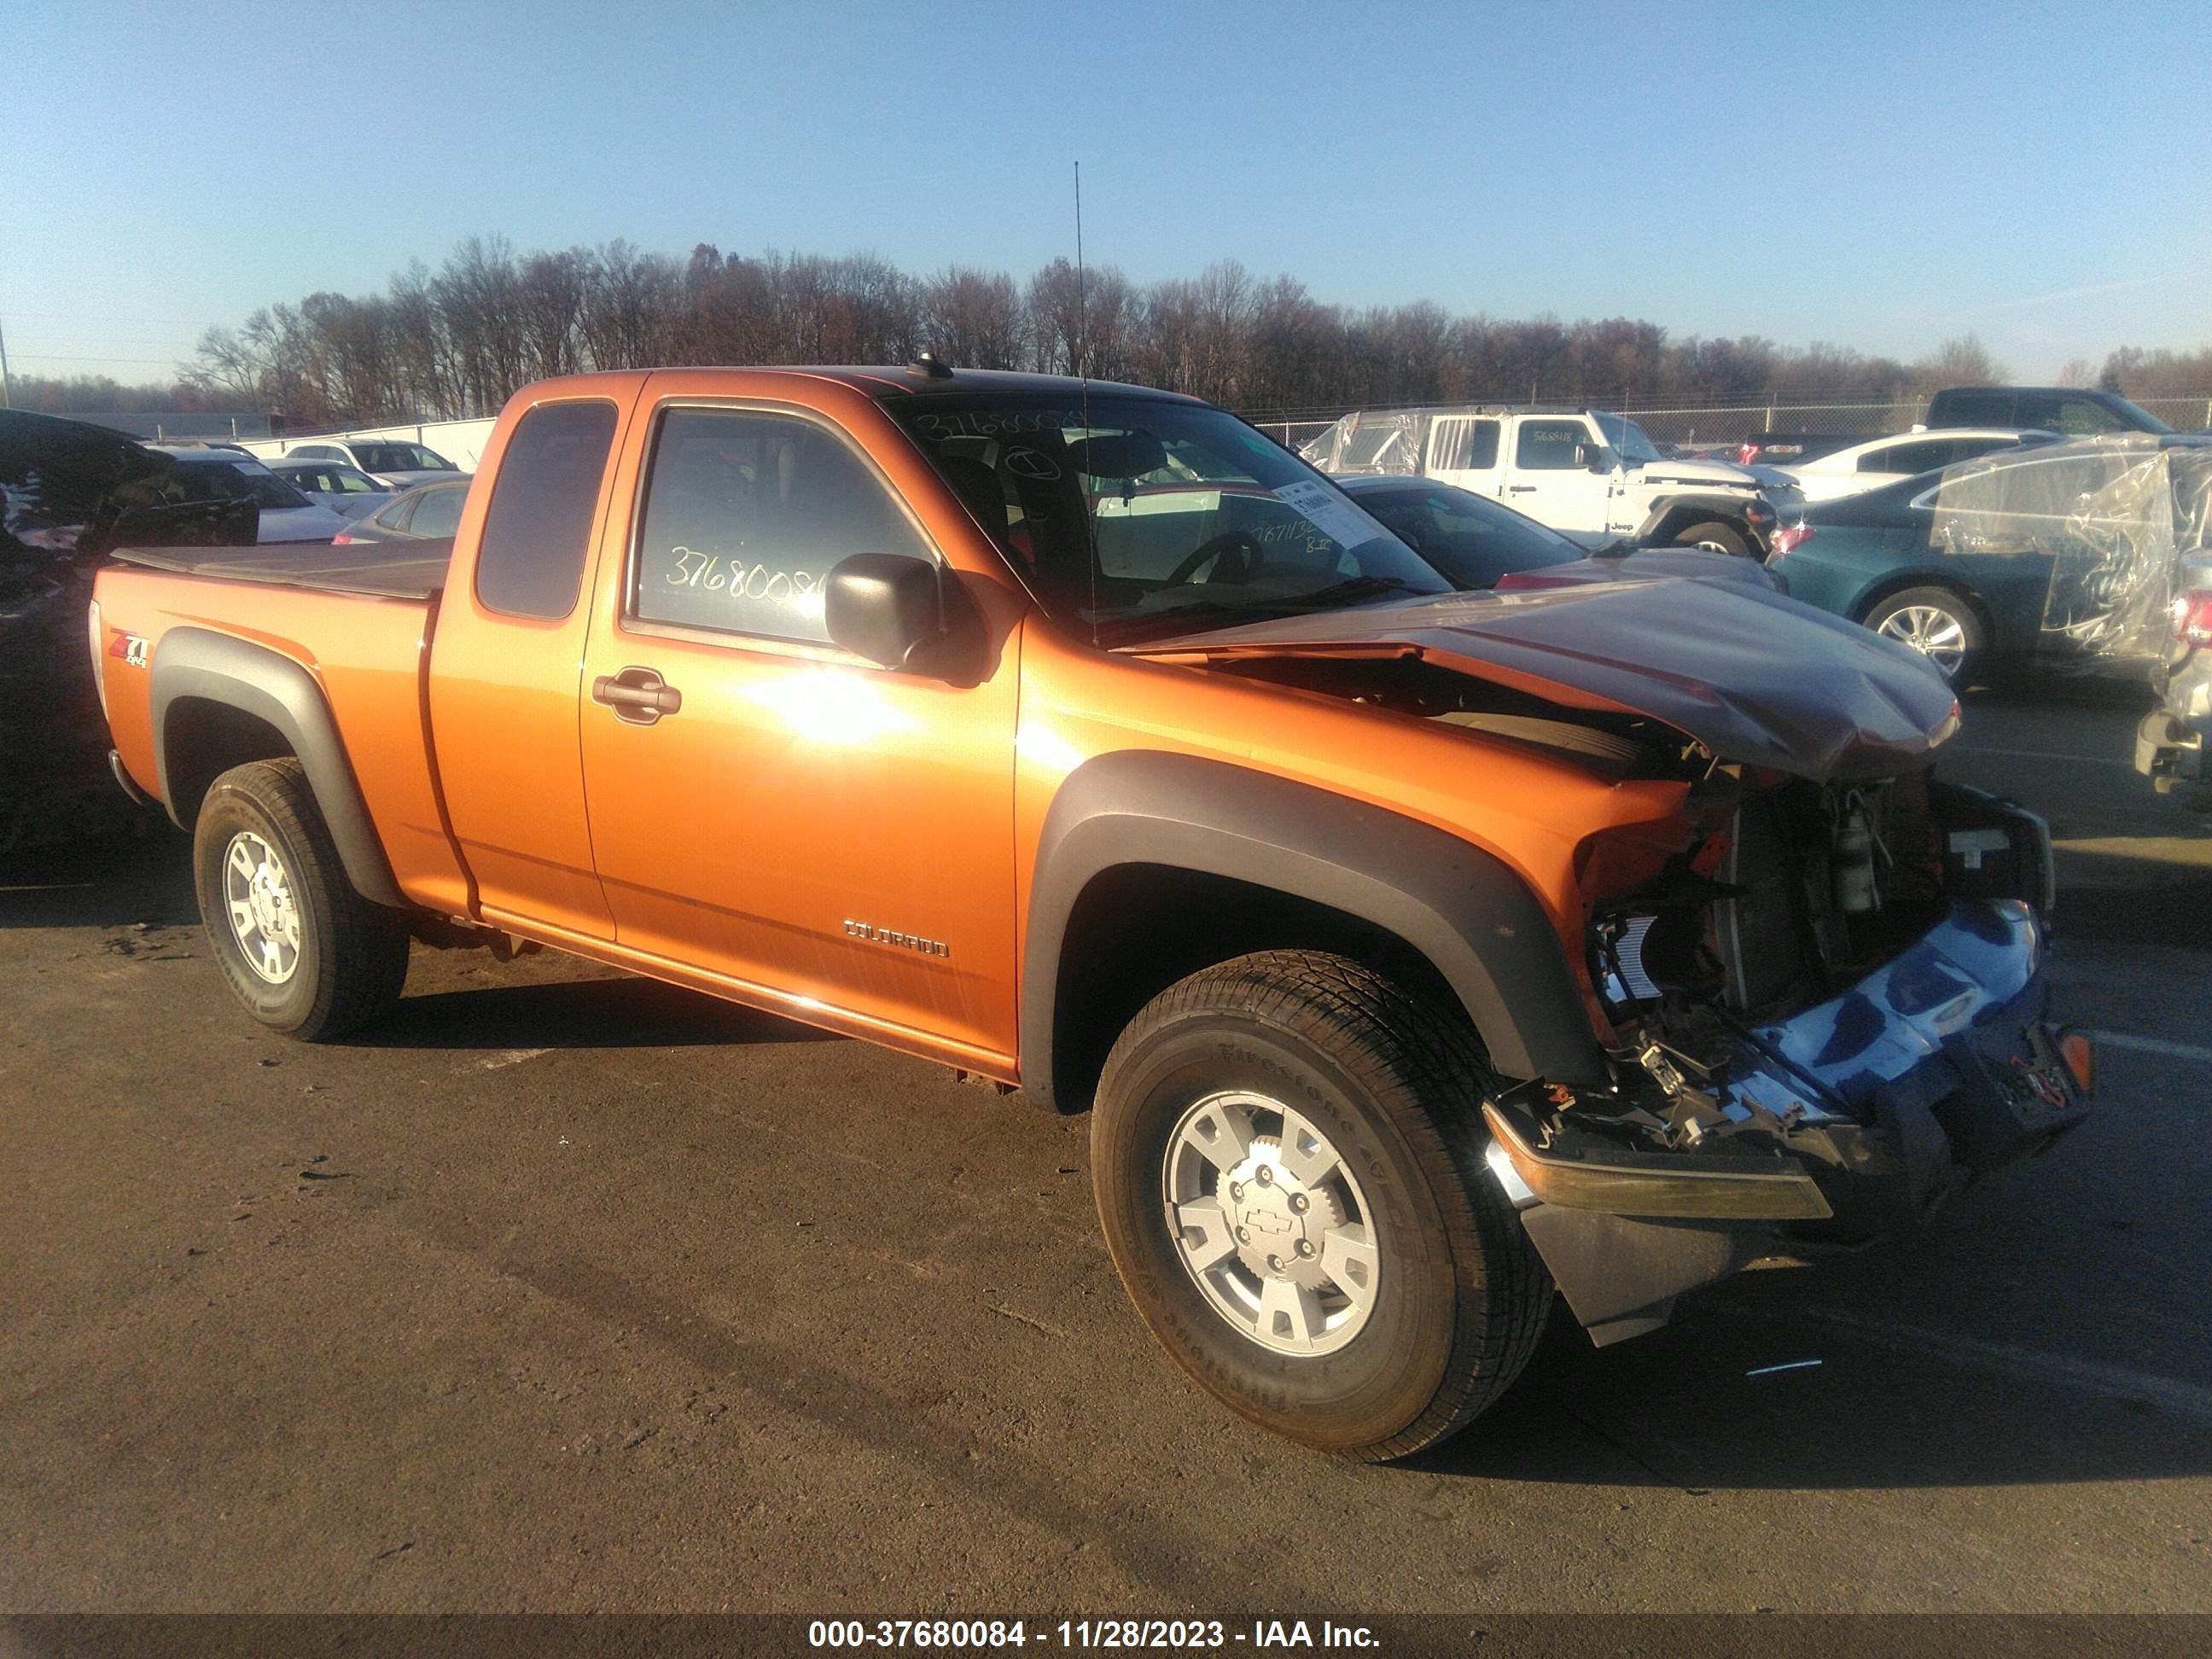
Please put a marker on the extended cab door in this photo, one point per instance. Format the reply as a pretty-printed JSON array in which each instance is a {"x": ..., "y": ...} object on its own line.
[
  {"x": 815, "y": 832},
  {"x": 507, "y": 654},
  {"x": 1463, "y": 451},
  {"x": 1548, "y": 474}
]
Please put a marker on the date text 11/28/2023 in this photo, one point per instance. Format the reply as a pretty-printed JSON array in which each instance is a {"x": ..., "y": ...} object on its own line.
[{"x": 1200, "y": 1635}]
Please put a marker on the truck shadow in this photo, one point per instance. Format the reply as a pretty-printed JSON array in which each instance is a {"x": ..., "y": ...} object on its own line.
[
  {"x": 129, "y": 886},
  {"x": 582, "y": 1013},
  {"x": 2160, "y": 895},
  {"x": 111, "y": 882},
  {"x": 1752, "y": 1389}
]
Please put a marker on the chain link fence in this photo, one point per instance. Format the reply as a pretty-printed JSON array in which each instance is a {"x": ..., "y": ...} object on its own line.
[{"x": 1733, "y": 424}]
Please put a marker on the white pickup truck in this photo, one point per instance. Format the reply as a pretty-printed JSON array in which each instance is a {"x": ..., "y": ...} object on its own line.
[{"x": 1594, "y": 476}]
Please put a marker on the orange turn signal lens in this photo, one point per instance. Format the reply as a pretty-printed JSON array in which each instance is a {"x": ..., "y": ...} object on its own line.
[
  {"x": 2078, "y": 1050},
  {"x": 1664, "y": 1186}
]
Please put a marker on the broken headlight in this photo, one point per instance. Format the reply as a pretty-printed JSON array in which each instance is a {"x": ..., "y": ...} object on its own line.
[{"x": 1638, "y": 956}]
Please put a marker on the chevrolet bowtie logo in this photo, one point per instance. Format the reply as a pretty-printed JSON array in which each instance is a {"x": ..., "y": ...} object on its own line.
[{"x": 1268, "y": 1221}]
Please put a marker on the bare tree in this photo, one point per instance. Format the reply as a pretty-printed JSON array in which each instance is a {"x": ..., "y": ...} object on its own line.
[
  {"x": 549, "y": 290},
  {"x": 461, "y": 340},
  {"x": 973, "y": 319},
  {"x": 631, "y": 307},
  {"x": 1960, "y": 361},
  {"x": 2162, "y": 374}
]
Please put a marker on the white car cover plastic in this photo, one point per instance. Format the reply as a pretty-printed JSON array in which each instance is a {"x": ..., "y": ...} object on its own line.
[{"x": 2111, "y": 515}]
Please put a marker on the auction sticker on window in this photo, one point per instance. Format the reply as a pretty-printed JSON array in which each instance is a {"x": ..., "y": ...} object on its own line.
[{"x": 1327, "y": 511}]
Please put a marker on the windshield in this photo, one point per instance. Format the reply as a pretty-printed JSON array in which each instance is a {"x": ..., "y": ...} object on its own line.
[
  {"x": 211, "y": 481},
  {"x": 2143, "y": 419},
  {"x": 1137, "y": 517},
  {"x": 1627, "y": 438},
  {"x": 400, "y": 457},
  {"x": 1473, "y": 541}
]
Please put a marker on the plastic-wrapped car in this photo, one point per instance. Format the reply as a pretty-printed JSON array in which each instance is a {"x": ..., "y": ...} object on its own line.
[
  {"x": 2169, "y": 741},
  {"x": 2063, "y": 556}
]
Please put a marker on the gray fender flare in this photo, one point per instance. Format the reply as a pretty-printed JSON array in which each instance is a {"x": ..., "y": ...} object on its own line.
[
  {"x": 199, "y": 662},
  {"x": 1470, "y": 915}
]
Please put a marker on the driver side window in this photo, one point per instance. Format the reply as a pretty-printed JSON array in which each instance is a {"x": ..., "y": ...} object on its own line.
[
  {"x": 1550, "y": 446},
  {"x": 2082, "y": 418},
  {"x": 745, "y": 513}
]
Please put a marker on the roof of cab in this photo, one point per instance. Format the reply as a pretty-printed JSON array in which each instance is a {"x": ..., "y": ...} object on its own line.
[
  {"x": 888, "y": 382},
  {"x": 192, "y": 452}
]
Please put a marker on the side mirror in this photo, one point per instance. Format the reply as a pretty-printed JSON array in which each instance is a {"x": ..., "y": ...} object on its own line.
[
  {"x": 1597, "y": 458},
  {"x": 902, "y": 612}
]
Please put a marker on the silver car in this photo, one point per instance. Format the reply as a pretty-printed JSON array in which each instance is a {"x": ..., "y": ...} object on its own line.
[
  {"x": 429, "y": 513},
  {"x": 346, "y": 490},
  {"x": 391, "y": 462}
]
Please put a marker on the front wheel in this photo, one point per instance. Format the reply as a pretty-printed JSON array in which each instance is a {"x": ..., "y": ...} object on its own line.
[
  {"x": 1715, "y": 538},
  {"x": 1289, "y": 1173},
  {"x": 306, "y": 953}
]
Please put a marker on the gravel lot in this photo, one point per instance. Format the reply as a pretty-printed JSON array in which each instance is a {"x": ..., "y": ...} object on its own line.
[{"x": 571, "y": 1291}]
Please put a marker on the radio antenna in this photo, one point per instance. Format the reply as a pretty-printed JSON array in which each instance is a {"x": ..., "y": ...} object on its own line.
[{"x": 1082, "y": 372}]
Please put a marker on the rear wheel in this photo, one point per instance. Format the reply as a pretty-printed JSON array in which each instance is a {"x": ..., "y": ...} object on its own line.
[
  {"x": 1290, "y": 1176},
  {"x": 305, "y": 953},
  {"x": 1937, "y": 624},
  {"x": 1715, "y": 537}
]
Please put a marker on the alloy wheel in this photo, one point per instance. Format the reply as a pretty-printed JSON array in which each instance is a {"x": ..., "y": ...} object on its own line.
[
  {"x": 1934, "y": 632},
  {"x": 1270, "y": 1223},
  {"x": 264, "y": 917}
]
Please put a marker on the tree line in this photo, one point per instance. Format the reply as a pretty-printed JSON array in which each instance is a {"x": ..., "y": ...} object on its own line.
[{"x": 456, "y": 342}]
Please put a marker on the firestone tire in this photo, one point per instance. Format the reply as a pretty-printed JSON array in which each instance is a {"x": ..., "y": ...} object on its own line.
[
  {"x": 1380, "y": 1086},
  {"x": 306, "y": 953}
]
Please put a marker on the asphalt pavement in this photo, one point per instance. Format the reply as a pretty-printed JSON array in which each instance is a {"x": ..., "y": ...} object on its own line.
[{"x": 563, "y": 1291}]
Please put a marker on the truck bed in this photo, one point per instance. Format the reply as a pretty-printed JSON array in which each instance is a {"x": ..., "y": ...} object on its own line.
[{"x": 396, "y": 570}]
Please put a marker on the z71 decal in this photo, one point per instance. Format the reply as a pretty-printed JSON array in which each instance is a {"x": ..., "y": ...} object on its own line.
[{"x": 131, "y": 647}]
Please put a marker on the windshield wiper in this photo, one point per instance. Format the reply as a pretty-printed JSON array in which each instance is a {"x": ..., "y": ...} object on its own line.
[
  {"x": 1353, "y": 589},
  {"x": 1200, "y": 618},
  {"x": 1207, "y": 615}
]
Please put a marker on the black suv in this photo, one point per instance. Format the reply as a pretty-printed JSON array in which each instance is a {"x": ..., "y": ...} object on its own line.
[{"x": 2076, "y": 411}]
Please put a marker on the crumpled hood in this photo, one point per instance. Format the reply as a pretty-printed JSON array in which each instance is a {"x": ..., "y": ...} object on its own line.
[
  {"x": 1756, "y": 678},
  {"x": 1696, "y": 474},
  {"x": 1700, "y": 563}
]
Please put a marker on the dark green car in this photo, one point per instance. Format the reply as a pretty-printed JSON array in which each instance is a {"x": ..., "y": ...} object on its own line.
[{"x": 2024, "y": 555}]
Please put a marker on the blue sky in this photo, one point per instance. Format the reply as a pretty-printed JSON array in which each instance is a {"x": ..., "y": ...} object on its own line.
[{"x": 1879, "y": 176}]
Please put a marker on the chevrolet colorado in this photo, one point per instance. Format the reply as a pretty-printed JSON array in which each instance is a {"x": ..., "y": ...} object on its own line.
[{"x": 1413, "y": 949}]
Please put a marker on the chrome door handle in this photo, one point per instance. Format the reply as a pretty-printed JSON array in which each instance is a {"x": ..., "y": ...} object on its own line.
[{"x": 638, "y": 696}]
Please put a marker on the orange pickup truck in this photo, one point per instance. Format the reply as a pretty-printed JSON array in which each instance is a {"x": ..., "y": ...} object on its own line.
[{"x": 1414, "y": 951}]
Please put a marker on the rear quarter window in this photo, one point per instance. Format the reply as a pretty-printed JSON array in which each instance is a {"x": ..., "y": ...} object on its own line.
[
  {"x": 530, "y": 561},
  {"x": 1972, "y": 409},
  {"x": 439, "y": 514}
]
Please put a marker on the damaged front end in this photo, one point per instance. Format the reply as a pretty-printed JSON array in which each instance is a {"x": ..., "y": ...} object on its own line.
[
  {"x": 1831, "y": 1012},
  {"x": 1819, "y": 971}
]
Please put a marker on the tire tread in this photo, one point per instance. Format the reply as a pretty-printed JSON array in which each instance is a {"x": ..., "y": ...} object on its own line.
[
  {"x": 1393, "y": 1042},
  {"x": 363, "y": 952}
]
